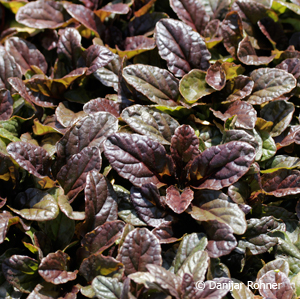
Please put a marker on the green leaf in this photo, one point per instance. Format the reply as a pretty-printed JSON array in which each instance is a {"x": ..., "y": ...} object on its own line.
[
  {"x": 194, "y": 87},
  {"x": 107, "y": 287}
]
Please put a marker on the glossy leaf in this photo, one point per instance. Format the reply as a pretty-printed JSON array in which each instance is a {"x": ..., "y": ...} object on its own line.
[
  {"x": 210, "y": 171},
  {"x": 182, "y": 48},
  {"x": 101, "y": 238},
  {"x": 247, "y": 54},
  {"x": 98, "y": 264},
  {"x": 232, "y": 32},
  {"x": 280, "y": 113},
  {"x": 100, "y": 201},
  {"x": 97, "y": 56},
  {"x": 38, "y": 205},
  {"x": 223, "y": 212},
  {"x": 146, "y": 202},
  {"x": 270, "y": 84},
  {"x": 246, "y": 114},
  {"x": 193, "y": 86},
  {"x": 216, "y": 76},
  {"x": 237, "y": 88},
  {"x": 177, "y": 201},
  {"x": 150, "y": 122},
  {"x": 281, "y": 182},
  {"x": 281, "y": 162},
  {"x": 25, "y": 54},
  {"x": 32, "y": 158},
  {"x": 192, "y": 13},
  {"x": 125, "y": 153},
  {"x": 41, "y": 14},
  {"x": 6, "y": 104},
  {"x": 85, "y": 16},
  {"x": 89, "y": 131},
  {"x": 69, "y": 46},
  {"x": 72, "y": 176},
  {"x": 278, "y": 278},
  {"x": 6, "y": 220},
  {"x": 8, "y": 68},
  {"x": 101, "y": 104},
  {"x": 54, "y": 268},
  {"x": 221, "y": 239},
  {"x": 107, "y": 287},
  {"x": 140, "y": 248},
  {"x": 278, "y": 264},
  {"x": 109, "y": 74},
  {"x": 158, "y": 85},
  {"x": 21, "y": 272}
]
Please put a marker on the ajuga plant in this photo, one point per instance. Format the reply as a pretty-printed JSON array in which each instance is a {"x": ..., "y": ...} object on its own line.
[{"x": 150, "y": 149}]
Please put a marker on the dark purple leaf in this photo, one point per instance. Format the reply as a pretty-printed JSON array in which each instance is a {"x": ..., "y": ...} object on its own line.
[
  {"x": 30, "y": 96},
  {"x": 281, "y": 182},
  {"x": 246, "y": 114},
  {"x": 232, "y": 32},
  {"x": 97, "y": 56},
  {"x": 69, "y": 46},
  {"x": 209, "y": 291},
  {"x": 98, "y": 264},
  {"x": 291, "y": 136},
  {"x": 138, "y": 158},
  {"x": 72, "y": 176},
  {"x": 107, "y": 10},
  {"x": 101, "y": 238},
  {"x": 279, "y": 264},
  {"x": 101, "y": 104},
  {"x": 166, "y": 280},
  {"x": 222, "y": 240},
  {"x": 250, "y": 11},
  {"x": 150, "y": 122},
  {"x": 269, "y": 84},
  {"x": 8, "y": 68},
  {"x": 237, "y": 88},
  {"x": 145, "y": 201},
  {"x": 109, "y": 74},
  {"x": 216, "y": 76},
  {"x": 21, "y": 272},
  {"x": 182, "y": 48},
  {"x": 6, "y": 220},
  {"x": 134, "y": 45},
  {"x": 54, "y": 268},
  {"x": 53, "y": 87},
  {"x": 188, "y": 287},
  {"x": 41, "y": 14},
  {"x": 280, "y": 113},
  {"x": 158, "y": 85},
  {"x": 247, "y": 54},
  {"x": 274, "y": 32},
  {"x": 49, "y": 39},
  {"x": 100, "y": 202},
  {"x": 145, "y": 23},
  {"x": 165, "y": 234},
  {"x": 32, "y": 158},
  {"x": 140, "y": 248},
  {"x": 177, "y": 201},
  {"x": 192, "y": 13},
  {"x": 211, "y": 30},
  {"x": 85, "y": 16},
  {"x": 67, "y": 117},
  {"x": 277, "y": 278},
  {"x": 184, "y": 146},
  {"x": 221, "y": 166},
  {"x": 25, "y": 54},
  {"x": 6, "y": 104},
  {"x": 89, "y": 131}
]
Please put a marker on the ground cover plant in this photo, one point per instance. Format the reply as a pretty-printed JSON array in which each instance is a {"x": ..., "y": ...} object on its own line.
[{"x": 149, "y": 149}]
